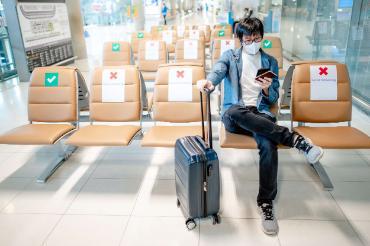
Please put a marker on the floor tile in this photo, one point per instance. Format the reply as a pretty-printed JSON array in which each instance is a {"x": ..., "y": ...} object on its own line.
[
  {"x": 362, "y": 228},
  {"x": 106, "y": 197},
  {"x": 294, "y": 167},
  {"x": 88, "y": 230},
  {"x": 52, "y": 197},
  {"x": 306, "y": 200},
  {"x": 307, "y": 232},
  {"x": 157, "y": 198},
  {"x": 26, "y": 229},
  {"x": 25, "y": 165},
  {"x": 9, "y": 188},
  {"x": 234, "y": 232},
  {"x": 238, "y": 199},
  {"x": 353, "y": 198},
  {"x": 159, "y": 231}
]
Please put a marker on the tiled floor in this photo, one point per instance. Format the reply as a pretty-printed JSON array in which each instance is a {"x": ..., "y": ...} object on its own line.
[{"x": 126, "y": 196}]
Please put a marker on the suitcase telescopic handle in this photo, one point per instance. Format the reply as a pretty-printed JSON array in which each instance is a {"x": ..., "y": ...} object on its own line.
[{"x": 209, "y": 117}]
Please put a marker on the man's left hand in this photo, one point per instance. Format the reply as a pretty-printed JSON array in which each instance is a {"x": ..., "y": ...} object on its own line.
[{"x": 265, "y": 83}]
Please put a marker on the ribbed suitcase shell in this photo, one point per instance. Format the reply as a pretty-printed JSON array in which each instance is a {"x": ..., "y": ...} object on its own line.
[{"x": 197, "y": 178}]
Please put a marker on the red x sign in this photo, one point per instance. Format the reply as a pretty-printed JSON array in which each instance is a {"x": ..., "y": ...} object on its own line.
[
  {"x": 323, "y": 71},
  {"x": 228, "y": 42},
  {"x": 151, "y": 44},
  {"x": 180, "y": 74},
  {"x": 113, "y": 75}
]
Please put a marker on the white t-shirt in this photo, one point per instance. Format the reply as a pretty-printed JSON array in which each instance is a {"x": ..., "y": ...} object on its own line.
[{"x": 250, "y": 89}]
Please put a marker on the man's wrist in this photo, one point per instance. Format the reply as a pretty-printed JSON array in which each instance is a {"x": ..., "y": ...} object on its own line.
[{"x": 265, "y": 91}]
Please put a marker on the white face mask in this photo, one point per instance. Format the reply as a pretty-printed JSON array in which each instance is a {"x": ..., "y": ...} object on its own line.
[{"x": 252, "y": 48}]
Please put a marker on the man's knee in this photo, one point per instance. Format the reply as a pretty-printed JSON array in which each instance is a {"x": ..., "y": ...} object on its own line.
[{"x": 265, "y": 144}]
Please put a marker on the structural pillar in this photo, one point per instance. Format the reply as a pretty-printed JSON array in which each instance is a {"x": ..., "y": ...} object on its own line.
[
  {"x": 77, "y": 30},
  {"x": 138, "y": 14}
]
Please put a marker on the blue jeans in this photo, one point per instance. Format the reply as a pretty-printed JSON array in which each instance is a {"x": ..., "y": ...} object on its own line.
[{"x": 248, "y": 121}]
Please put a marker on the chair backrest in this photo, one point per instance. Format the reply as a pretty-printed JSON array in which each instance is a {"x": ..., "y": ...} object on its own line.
[
  {"x": 115, "y": 94},
  {"x": 221, "y": 34},
  {"x": 221, "y": 45},
  {"x": 207, "y": 32},
  {"x": 152, "y": 53},
  {"x": 176, "y": 97},
  {"x": 223, "y": 26},
  {"x": 169, "y": 36},
  {"x": 136, "y": 37},
  {"x": 190, "y": 50},
  {"x": 154, "y": 30},
  {"x": 52, "y": 95},
  {"x": 195, "y": 34},
  {"x": 116, "y": 53},
  {"x": 180, "y": 30},
  {"x": 317, "y": 96},
  {"x": 272, "y": 46}
]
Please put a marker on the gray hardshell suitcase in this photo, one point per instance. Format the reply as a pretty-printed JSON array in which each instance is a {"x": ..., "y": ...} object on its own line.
[{"x": 197, "y": 176}]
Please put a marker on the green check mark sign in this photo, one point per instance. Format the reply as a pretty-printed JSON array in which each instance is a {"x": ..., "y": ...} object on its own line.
[
  {"x": 221, "y": 33},
  {"x": 51, "y": 80},
  {"x": 140, "y": 35},
  {"x": 116, "y": 47},
  {"x": 267, "y": 44}
]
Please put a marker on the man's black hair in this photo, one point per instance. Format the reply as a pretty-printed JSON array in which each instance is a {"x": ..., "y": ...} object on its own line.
[{"x": 249, "y": 26}]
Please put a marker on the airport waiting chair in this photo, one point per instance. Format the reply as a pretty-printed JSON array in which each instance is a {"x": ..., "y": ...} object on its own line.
[
  {"x": 207, "y": 33},
  {"x": 168, "y": 36},
  {"x": 154, "y": 30},
  {"x": 117, "y": 54},
  {"x": 115, "y": 97},
  {"x": 152, "y": 53},
  {"x": 221, "y": 45},
  {"x": 272, "y": 46},
  {"x": 195, "y": 34},
  {"x": 136, "y": 37},
  {"x": 307, "y": 107},
  {"x": 285, "y": 91},
  {"x": 52, "y": 113},
  {"x": 190, "y": 50},
  {"x": 176, "y": 100},
  {"x": 220, "y": 34},
  {"x": 223, "y": 27},
  {"x": 180, "y": 30}
]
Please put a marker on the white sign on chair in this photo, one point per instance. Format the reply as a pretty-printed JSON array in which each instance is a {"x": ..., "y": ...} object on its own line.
[
  {"x": 324, "y": 82},
  {"x": 180, "y": 85},
  {"x": 113, "y": 85}
]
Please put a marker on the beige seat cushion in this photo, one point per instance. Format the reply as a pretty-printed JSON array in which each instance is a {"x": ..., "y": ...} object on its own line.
[
  {"x": 340, "y": 137},
  {"x": 166, "y": 136},
  {"x": 237, "y": 141},
  {"x": 100, "y": 135},
  {"x": 149, "y": 76},
  {"x": 36, "y": 134}
]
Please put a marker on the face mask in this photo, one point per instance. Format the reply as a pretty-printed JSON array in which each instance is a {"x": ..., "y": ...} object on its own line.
[{"x": 252, "y": 48}]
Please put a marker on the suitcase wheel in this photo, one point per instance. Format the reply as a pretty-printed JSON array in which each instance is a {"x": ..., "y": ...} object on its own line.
[
  {"x": 178, "y": 203},
  {"x": 190, "y": 224},
  {"x": 216, "y": 219}
]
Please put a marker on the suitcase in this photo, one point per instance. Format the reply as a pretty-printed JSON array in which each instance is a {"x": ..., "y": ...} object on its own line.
[{"x": 197, "y": 175}]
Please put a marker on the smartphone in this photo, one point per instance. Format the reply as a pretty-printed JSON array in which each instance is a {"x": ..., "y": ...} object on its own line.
[{"x": 265, "y": 72}]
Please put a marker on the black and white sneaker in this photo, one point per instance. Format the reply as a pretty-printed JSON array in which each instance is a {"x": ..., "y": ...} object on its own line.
[
  {"x": 268, "y": 220},
  {"x": 312, "y": 152}
]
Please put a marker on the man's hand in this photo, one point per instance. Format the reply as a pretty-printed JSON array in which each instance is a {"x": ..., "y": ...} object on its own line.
[
  {"x": 202, "y": 84},
  {"x": 264, "y": 83}
]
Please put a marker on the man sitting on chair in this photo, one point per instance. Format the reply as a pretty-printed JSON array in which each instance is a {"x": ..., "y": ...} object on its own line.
[{"x": 246, "y": 110}]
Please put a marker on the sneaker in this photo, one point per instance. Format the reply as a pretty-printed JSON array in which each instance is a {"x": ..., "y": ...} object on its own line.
[
  {"x": 312, "y": 152},
  {"x": 268, "y": 220}
]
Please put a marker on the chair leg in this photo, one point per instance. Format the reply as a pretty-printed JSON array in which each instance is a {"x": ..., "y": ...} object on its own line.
[
  {"x": 324, "y": 178},
  {"x": 63, "y": 155}
]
